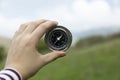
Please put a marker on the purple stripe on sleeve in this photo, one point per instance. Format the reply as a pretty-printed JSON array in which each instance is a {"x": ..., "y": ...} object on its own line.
[
  {"x": 15, "y": 73},
  {"x": 8, "y": 76},
  {"x": 2, "y": 78}
]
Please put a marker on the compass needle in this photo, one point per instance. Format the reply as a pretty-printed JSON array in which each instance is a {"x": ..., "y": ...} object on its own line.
[{"x": 58, "y": 38}]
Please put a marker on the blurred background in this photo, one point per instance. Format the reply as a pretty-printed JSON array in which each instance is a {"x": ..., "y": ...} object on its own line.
[{"x": 95, "y": 26}]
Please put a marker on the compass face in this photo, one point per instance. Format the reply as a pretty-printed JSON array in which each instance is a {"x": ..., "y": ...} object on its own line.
[{"x": 58, "y": 38}]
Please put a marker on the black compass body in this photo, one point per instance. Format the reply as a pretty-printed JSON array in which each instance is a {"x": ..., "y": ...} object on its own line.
[{"x": 59, "y": 38}]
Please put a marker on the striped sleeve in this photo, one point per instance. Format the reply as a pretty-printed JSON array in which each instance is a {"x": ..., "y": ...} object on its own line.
[{"x": 10, "y": 74}]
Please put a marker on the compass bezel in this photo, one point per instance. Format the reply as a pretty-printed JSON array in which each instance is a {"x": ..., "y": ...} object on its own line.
[{"x": 68, "y": 37}]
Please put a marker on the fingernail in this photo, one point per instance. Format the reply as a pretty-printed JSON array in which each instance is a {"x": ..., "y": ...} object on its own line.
[{"x": 63, "y": 54}]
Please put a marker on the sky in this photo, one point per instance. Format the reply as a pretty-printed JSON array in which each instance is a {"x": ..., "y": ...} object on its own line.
[{"x": 76, "y": 15}]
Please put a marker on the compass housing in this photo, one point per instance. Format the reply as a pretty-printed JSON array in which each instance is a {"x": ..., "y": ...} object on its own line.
[{"x": 58, "y": 38}]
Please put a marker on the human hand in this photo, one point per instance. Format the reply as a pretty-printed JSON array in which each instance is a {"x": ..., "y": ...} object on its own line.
[{"x": 23, "y": 54}]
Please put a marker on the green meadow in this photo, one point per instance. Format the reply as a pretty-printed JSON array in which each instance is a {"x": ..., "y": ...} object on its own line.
[{"x": 97, "y": 62}]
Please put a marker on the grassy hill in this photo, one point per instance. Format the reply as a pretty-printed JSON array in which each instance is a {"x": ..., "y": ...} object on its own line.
[{"x": 99, "y": 62}]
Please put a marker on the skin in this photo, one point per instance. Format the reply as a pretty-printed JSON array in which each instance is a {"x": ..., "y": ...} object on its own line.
[{"x": 23, "y": 55}]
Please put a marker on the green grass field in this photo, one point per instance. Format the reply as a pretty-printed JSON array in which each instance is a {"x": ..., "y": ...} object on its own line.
[{"x": 100, "y": 62}]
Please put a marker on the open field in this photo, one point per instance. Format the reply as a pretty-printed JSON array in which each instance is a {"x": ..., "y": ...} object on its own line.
[{"x": 100, "y": 62}]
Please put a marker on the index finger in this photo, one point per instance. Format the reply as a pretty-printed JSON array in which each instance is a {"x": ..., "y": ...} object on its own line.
[{"x": 42, "y": 28}]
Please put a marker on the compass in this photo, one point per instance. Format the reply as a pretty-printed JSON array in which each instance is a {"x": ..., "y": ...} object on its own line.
[{"x": 59, "y": 38}]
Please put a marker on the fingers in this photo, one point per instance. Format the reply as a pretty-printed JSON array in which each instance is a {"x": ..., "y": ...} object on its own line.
[
  {"x": 33, "y": 25},
  {"x": 42, "y": 28},
  {"x": 35, "y": 29},
  {"x": 53, "y": 56},
  {"x": 21, "y": 29}
]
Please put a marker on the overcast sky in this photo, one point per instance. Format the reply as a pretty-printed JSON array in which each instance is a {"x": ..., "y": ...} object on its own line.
[{"x": 77, "y": 15}]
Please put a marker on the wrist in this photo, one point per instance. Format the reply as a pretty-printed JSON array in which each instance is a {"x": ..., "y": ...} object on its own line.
[
  {"x": 18, "y": 69},
  {"x": 11, "y": 74}
]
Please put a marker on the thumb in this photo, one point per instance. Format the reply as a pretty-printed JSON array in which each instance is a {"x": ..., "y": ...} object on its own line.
[{"x": 53, "y": 56}]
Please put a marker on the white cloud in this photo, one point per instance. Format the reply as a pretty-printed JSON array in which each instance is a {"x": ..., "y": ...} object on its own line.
[
  {"x": 8, "y": 26},
  {"x": 84, "y": 15},
  {"x": 96, "y": 13},
  {"x": 91, "y": 10},
  {"x": 81, "y": 15},
  {"x": 61, "y": 14}
]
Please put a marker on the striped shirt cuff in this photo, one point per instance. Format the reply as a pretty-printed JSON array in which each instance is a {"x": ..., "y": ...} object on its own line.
[{"x": 10, "y": 74}]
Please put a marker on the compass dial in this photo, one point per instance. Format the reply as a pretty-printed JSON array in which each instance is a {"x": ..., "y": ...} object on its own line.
[{"x": 58, "y": 38}]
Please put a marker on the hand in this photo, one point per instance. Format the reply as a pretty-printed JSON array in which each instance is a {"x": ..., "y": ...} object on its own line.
[{"x": 23, "y": 54}]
